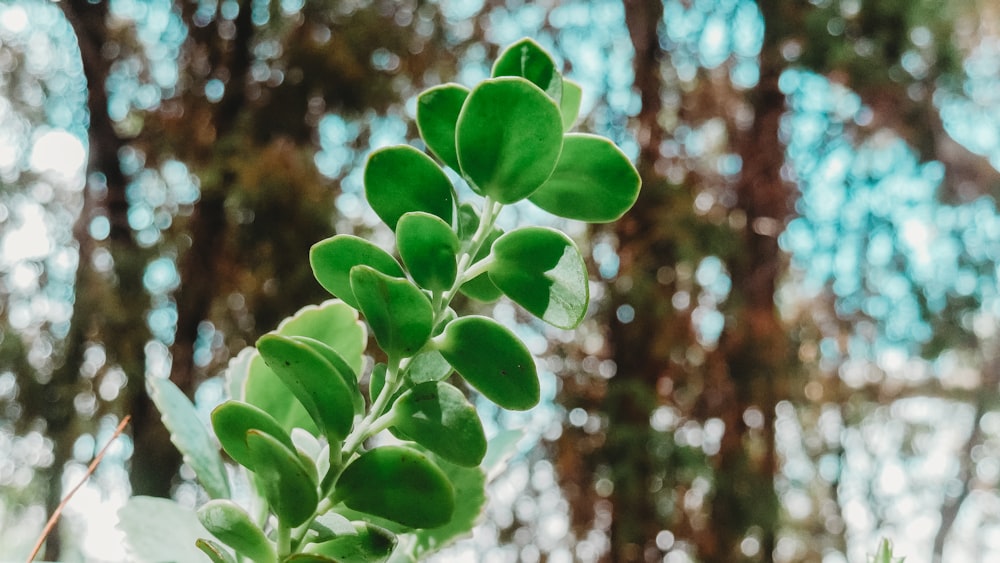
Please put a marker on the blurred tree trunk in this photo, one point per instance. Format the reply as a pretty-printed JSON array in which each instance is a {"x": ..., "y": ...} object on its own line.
[
  {"x": 749, "y": 368},
  {"x": 104, "y": 303},
  {"x": 641, "y": 348}
]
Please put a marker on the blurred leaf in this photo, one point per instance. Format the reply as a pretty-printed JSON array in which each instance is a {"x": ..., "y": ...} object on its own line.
[
  {"x": 145, "y": 540},
  {"x": 190, "y": 436},
  {"x": 470, "y": 486}
]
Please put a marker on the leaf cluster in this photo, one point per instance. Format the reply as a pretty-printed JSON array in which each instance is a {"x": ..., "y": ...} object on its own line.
[{"x": 299, "y": 422}]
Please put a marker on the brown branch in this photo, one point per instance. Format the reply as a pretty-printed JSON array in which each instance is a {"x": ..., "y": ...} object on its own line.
[{"x": 90, "y": 471}]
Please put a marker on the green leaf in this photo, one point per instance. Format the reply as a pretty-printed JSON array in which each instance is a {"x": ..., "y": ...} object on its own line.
[
  {"x": 437, "y": 114},
  {"x": 437, "y": 416},
  {"x": 541, "y": 269},
  {"x": 333, "y": 258},
  {"x": 428, "y": 247},
  {"x": 470, "y": 486},
  {"x": 233, "y": 419},
  {"x": 493, "y": 360},
  {"x": 340, "y": 367},
  {"x": 308, "y": 558},
  {"x": 399, "y": 314},
  {"x": 145, "y": 540},
  {"x": 401, "y": 179},
  {"x": 368, "y": 544},
  {"x": 266, "y": 390},
  {"x": 594, "y": 181},
  {"x": 313, "y": 380},
  {"x": 214, "y": 551},
  {"x": 397, "y": 483},
  {"x": 335, "y": 324},
  {"x": 234, "y": 527},
  {"x": 190, "y": 435},
  {"x": 528, "y": 60},
  {"x": 479, "y": 287},
  {"x": 509, "y": 137},
  {"x": 428, "y": 366},
  {"x": 288, "y": 485},
  {"x": 569, "y": 104}
]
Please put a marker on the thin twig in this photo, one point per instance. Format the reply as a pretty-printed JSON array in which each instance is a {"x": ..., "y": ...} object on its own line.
[{"x": 90, "y": 471}]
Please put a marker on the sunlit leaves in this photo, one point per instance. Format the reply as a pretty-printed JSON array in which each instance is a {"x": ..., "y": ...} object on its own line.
[
  {"x": 400, "y": 484},
  {"x": 493, "y": 360},
  {"x": 593, "y": 181},
  {"x": 509, "y": 136},
  {"x": 400, "y": 179},
  {"x": 542, "y": 270}
]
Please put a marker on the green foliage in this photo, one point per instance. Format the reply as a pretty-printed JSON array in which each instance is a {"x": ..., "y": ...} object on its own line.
[
  {"x": 298, "y": 423},
  {"x": 884, "y": 554}
]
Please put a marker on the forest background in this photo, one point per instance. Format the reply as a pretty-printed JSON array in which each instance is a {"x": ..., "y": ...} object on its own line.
[{"x": 793, "y": 346}]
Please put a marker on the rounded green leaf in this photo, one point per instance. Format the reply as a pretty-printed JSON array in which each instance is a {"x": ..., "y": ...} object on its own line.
[
  {"x": 437, "y": 114},
  {"x": 340, "y": 367},
  {"x": 542, "y": 270},
  {"x": 528, "y": 60},
  {"x": 288, "y": 485},
  {"x": 569, "y": 104},
  {"x": 509, "y": 136},
  {"x": 368, "y": 544},
  {"x": 397, "y": 483},
  {"x": 594, "y": 181},
  {"x": 233, "y": 526},
  {"x": 316, "y": 383},
  {"x": 401, "y": 179},
  {"x": 428, "y": 247},
  {"x": 399, "y": 314},
  {"x": 492, "y": 359},
  {"x": 333, "y": 258},
  {"x": 335, "y": 324},
  {"x": 437, "y": 416},
  {"x": 233, "y": 419}
]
